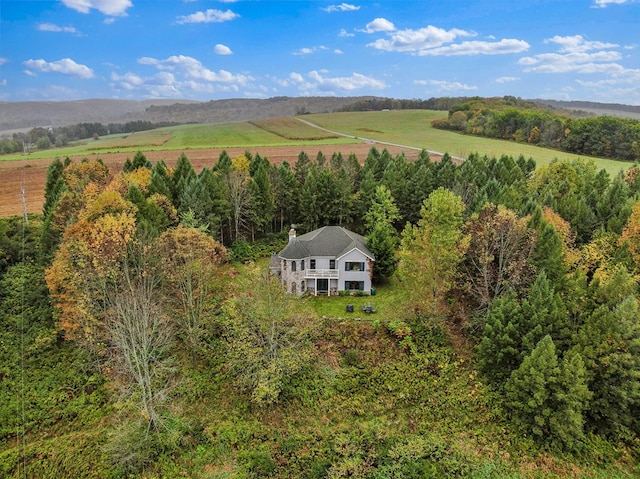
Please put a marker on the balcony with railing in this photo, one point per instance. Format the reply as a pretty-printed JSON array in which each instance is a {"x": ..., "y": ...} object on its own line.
[{"x": 321, "y": 273}]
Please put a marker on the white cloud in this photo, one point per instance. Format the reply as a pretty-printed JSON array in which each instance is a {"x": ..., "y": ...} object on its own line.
[
  {"x": 443, "y": 85},
  {"x": 116, "y": 8},
  {"x": 343, "y": 7},
  {"x": 178, "y": 76},
  {"x": 379, "y": 25},
  {"x": 337, "y": 51},
  {"x": 575, "y": 55},
  {"x": 577, "y": 43},
  {"x": 221, "y": 49},
  {"x": 65, "y": 66},
  {"x": 193, "y": 69},
  {"x": 416, "y": 40},
  {"x": 3, "y": 60},
  {"x": 599, "y": 62},
  {"x": 354, "y": 82},
  {"x": 296, "y": 77},
  {"x": 609, "y": 77},
  {"x": 436, "y": 41},
  {"x": 3, "y": 82},
  {"x": 604, "y": 3},
  {"x": 209, "y": 16},
  {"x": 502, "y": 47},
  {"x": 309, "y": 50},
  {"x": 50, "y": 27},
  {"x": 506, "y": 79},
  {"x": 161, "y": 85},
  {"x": 344, "y": 33},
  {"x": 318, "y": 83}
]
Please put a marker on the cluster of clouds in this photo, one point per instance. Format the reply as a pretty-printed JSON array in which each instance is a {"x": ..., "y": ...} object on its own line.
[{"x": 181, "y": 75}]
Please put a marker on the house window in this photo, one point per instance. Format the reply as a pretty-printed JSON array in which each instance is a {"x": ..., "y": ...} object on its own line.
[
  {"x": 312, "y": 263},
  {"x": 293, "y": 266},
  {"x": 284, "y": 265},
  {"x": 302, "y": 265},
  {"x": 332, "y": 264},
  {"x": 354, "y": 285},
  {"x": 353, "y": 266}
]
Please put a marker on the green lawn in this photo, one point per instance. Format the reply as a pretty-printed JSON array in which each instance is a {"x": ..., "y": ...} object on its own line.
[{"x": 390, "y": 302}]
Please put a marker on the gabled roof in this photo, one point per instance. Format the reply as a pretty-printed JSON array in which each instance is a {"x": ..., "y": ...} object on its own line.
[{"x": 332, "y": 241}]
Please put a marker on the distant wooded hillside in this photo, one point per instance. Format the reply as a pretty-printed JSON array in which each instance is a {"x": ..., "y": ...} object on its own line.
[
  {"x": 593, "y": 108},
  {"x": 28, "y": 115}
]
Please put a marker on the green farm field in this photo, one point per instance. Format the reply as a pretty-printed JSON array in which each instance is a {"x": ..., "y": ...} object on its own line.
[
  {"x": 413, "y": 128},
  {"x": 274, "y": 132},
  {"x": 410, "y": 128}
]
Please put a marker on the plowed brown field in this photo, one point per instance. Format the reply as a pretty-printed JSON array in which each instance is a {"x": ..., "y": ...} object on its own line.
[{"x": 33, "y": 173}]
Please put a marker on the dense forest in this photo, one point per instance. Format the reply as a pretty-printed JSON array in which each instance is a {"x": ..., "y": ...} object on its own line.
[
  {"x": 140, "y": 330},
  {"x": 510, "y": 118}
]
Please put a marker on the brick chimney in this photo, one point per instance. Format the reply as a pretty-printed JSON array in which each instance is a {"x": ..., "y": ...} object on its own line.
[{"x": 292, "y": 233}]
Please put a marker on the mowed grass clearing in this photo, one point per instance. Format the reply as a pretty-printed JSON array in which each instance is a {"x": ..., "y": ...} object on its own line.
[{"x": 413, "y": 128}]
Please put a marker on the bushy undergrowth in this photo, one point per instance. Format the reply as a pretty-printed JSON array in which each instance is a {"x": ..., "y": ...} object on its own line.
[
  {"x": 243, "y": 251},
  {"x": 386, "y": 398}
]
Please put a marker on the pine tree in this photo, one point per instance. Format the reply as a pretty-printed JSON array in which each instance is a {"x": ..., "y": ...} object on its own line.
[
  {"x": 571, "y": 397},
  {"x": 499, "y": 350},
  {"x": 529, "y": 390},
  {"x": 382, "y": 238},
  {"x": 609, "y": 343}
]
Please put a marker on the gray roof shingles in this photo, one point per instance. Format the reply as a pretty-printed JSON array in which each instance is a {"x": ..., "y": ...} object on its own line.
[{"x": 332, "y": 241}]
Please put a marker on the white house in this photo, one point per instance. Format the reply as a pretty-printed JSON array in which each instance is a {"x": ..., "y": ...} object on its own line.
[{"x": 325, "y": 261}]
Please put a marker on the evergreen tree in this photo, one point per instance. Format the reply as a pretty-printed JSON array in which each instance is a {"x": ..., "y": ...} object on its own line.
[
  {"x": 499, "y": 350},
  {"x": 548, "y": 254},
  {"x": 183, "y": 174},
  {"x": 445, "y": 172},
  {"x": 285, "y": 194},
  {"x": 572, "y": 397},
  {"x": 382, "y": 239},
  {"x": 310, "y": 213},
  {"x": 609, "y": 343},
  {"x": 262, "y": 206},
  {"x": 55, "y": 186},
  {"x": 529, "y": 390},
  {"x": 396, "y": 178},
  {"x": 139, "y": 161},
  {"x": 224, "y": 163},
  {"x": 544, "y": 313},
  {"x": 302, "y": 167},
  {"x": 160, "y": 180}
]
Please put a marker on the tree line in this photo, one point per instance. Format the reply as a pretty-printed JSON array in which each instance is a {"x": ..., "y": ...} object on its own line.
[
  {"x": 44, "y": 138},
  {"x": 528, "y": 122}
]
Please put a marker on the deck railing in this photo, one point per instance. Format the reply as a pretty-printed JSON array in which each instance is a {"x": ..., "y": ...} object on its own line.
[{"x": 321, "y": 273}]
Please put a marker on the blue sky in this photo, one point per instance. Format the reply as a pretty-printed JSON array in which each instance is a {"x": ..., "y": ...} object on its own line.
[{"x": 208, "y": 50}]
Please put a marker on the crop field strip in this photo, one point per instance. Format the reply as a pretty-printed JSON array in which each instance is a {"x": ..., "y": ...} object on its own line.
[{"x": 292, "y": 129}]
